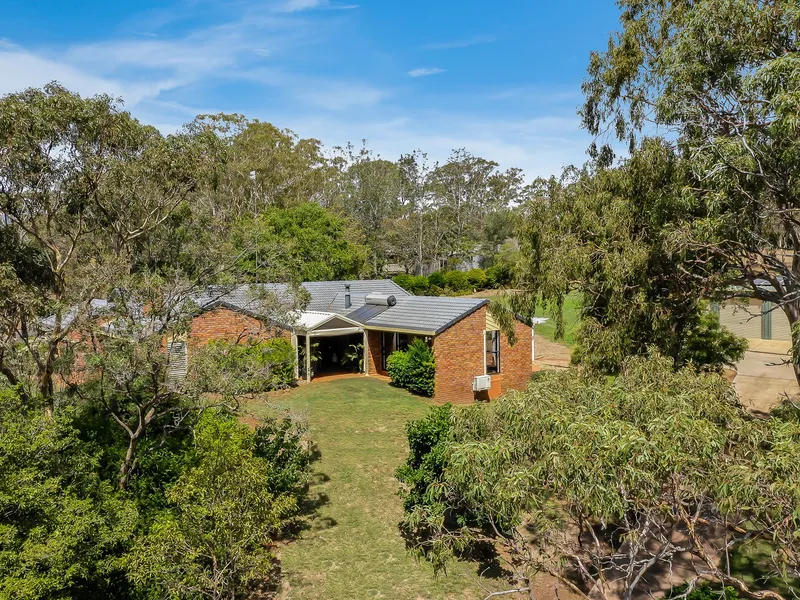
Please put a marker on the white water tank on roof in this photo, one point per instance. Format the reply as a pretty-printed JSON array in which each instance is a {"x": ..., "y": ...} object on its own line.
[{"x": 380, "y": 299}]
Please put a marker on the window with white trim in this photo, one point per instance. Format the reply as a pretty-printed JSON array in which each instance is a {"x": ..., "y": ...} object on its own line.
[{"x": 492, "y": 352}]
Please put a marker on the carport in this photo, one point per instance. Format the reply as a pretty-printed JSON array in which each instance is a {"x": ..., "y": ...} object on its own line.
[{"x": 335, "y": 330}]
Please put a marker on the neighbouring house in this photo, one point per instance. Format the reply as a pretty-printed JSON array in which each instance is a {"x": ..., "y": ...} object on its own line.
[
  {"x": 754, "y": 319},
  {"x": 474, "y": 360}
]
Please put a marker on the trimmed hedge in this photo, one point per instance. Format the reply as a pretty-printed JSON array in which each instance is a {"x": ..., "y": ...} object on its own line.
[{"x": 413, "y": 369}]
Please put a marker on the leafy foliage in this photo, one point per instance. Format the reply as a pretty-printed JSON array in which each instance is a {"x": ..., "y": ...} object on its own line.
[
  {"x": 560, "y": 475},
  {"x": 311, "y": 243},
  {"x": 215, "y": 540},
  {"x": 609, "y": 234},
  {"x": 703, "y": 591},
  {"x": 723, "y": 76},
  {"x": 476, "y": 278},
  {"x": 281, "y": 443},
  {"x": 413, "y": 369},
  {"x": 427, "y": 443},
  {"x": 62, "y": 527},
  {"x": 248, "y": 368}
]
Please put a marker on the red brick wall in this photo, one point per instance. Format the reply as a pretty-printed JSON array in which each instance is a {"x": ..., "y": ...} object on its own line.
[
  {"x": 458, "y": 352},
  {"x": 459, "y": 357},
  {"x": 374, "y": 352},
  {"x": 225, "y": 324},
  {"x": 516, "y": 365}
]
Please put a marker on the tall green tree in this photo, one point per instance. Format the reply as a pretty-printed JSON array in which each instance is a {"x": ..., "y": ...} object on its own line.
[
  {"x": 723, "y": 76},
  {"x": 369, "y": 193},
  {"x": 305, "y": 243},
  {"x": 63, "y": 527},
  {"x": 608, "y": 234},
  {"x": 83, "y": 186},
  {"x": 468, "y": 188},
  {"x": 215, "y": 541}
]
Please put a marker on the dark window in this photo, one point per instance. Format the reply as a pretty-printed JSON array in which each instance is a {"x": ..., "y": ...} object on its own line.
[
  {"x": 402, "y": 341},
  {"x": 492, "y": 351}
]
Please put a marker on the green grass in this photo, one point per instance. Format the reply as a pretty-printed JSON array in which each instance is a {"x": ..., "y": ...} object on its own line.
[
  {"x": 353, "y": 548},
  {"x": 571, "y": 316}
]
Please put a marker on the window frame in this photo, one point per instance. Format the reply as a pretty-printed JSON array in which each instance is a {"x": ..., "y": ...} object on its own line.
[{"x": 492, "y": 349}]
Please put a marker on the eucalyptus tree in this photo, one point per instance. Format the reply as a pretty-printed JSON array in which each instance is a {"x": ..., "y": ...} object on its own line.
[
  {"x": 467, "y": 188},
  {"x": 264, "y": 167},
  {"x": 414, "y": 236},
  {"x": 608, "y": 235},
  {"x": 723, "y": 78},
  {"x": 85, "y": 192},
  {"x": 369, "y": 192},
  {"x": 608, "y": 485}
]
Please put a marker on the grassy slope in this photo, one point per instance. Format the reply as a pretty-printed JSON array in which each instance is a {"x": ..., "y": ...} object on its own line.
[{"x": 353, "y": 548}]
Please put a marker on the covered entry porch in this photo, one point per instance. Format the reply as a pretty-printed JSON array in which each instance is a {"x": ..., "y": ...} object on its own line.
[{"x": 327, "y": 343}]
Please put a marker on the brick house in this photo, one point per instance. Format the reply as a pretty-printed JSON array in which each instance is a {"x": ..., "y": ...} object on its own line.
[{"x": 468, "y": 346}]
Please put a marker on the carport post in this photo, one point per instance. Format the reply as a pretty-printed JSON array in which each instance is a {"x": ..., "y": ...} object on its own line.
[
  {"x": 308, "y": 356},
  {"x": 296, "y": 347}
]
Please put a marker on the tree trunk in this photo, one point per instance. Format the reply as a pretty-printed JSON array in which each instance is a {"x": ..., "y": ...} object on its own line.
[{"x": 127, "y": 463}]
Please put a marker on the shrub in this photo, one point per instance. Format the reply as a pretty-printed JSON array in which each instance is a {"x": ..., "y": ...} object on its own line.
[
  {"x": 498, "y": 276},
  {"x": 477, "y": 278},
  {"x": 413, "y": 369},
  {"x": 419, "y": 285},
  {"x": 244, "y": 368},
  {"x": 416, "y": 284},
  {"x": 427, "y": 442},
  {"x": 437, "y": 278},
  {"x": 403, "y": 280},
  {"x": 280, "y": 442},
  {"x": 457, "y": 281},
  {"x": 397, "y": 366}
]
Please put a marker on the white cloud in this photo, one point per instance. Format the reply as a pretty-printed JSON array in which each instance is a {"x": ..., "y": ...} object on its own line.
[
  {"x": 20, "y": 69},
  {"x": 322, "y": 92},
  {"x": 298, "y": 5},
  {"x": 424, "y": 72},
  {"x": 291, "y": 6},
  {"x": 465, "y": 43}
]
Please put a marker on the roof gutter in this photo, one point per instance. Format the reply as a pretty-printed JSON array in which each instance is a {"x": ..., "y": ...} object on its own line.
[{"x": 398, "y": 330}]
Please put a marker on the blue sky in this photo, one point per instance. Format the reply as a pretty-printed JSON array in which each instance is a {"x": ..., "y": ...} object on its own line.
[{"x": 501, "y": 79}]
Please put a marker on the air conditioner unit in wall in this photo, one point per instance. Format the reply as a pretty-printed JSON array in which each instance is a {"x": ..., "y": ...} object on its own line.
[{"x": 481, "y": 383}]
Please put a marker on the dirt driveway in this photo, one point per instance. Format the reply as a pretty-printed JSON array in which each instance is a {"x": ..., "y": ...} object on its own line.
[{"x": 763, "y": 380}]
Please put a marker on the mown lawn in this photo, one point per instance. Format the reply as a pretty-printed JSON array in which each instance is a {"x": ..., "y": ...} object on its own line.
[
  {"x": 571, "y": 316},
  {"x": 353, "y": 548}
]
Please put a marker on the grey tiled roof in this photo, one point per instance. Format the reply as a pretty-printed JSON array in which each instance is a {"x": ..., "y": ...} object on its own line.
[
  {"x": 426, "y": 314},
  {"x": 429, "y": 314},
  {"x": 329, "y": 295},
  {"x": 248, "y": 298}
]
